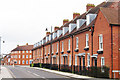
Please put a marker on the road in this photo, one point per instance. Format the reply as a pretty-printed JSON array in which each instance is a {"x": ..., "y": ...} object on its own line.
[{"x": 26, "y": 73}]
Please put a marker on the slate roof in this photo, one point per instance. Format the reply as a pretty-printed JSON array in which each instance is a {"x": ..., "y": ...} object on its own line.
[{"x": 23, "y": 48}]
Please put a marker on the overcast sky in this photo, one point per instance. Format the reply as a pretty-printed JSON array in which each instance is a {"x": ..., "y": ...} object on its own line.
[{"x": 24, "y": 21}]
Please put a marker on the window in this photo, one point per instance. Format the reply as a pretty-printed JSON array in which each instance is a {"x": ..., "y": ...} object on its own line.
[
  {"x": 76, "y": 42},
  {"x": 57, "y": 59},
  {"x": 23, "y": 51},
  {"x": 23, "y": 56},
  {"x": 57, "y": 47},
  {"x": 30, "y": 56},
  {"x": 45, "y": 50},
  {"x": 19, "y": 61},
  {"x": 62, "y": 46},
  {"x": 100, "y": 42},
  {"x": 19, "y": 56},
  {"x": 88, "y": 60},
  {"x": 87, "y": 40},
  {"x": 61, "y": 59},
  {"x": 69, "y": 60},
  {"x": 26, "y": 51},
  {"x": 30, "y": 62},
  {"x": 19, "y": 51},
  {"x": 26, "y": 56},
  {"x": 69, "y": 44},
  {"x": 26, "y": 61},
  {"x": 102, "y": 61},
  {"x": 75, "y": 60},
  {"x": 30, "y": 51},
  {"x": 23, "y": 61}
]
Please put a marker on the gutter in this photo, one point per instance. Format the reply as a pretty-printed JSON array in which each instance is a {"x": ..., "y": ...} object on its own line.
[{"x": 112, "y": 48}]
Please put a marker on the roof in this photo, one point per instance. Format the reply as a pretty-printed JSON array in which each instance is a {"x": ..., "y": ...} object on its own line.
[
  {"x": 111, "y": 15},
  {"x": 23, "y": 48}
]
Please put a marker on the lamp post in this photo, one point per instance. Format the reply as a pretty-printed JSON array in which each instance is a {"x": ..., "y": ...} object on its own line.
[{"x": 51, "y": 48}]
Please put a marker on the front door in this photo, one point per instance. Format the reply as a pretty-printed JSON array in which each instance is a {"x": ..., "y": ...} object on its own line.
[
  {"x": 83, "y": 62},
  {"x": 80, "y": 63},
  {"x": 95, "y": 62}
]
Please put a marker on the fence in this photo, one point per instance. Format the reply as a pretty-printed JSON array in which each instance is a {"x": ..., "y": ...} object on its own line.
[{"x": 98, "y": 72}]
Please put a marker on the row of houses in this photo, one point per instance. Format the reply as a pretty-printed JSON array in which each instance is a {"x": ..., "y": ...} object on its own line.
[
  {"x": 89, "y": 39},
  {"x": 21, "y": 55}
]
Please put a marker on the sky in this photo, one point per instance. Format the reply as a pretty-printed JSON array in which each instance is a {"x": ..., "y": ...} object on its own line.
[{"x": 25, "y": 21}]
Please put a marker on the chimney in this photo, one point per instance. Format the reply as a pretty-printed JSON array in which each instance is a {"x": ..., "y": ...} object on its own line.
[
  {"x": 75, "y": 15},
  {"x": 56, "y": 28},
  {"x": 89, "y": 6},
  {"x": 47, "y": 33},
  {"x": 26, "y": 43},
  {"x": 17, "y": 45},
  {"x": 65, "y": 21}
]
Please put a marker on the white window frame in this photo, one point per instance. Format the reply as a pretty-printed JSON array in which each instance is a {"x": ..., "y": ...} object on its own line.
[
  {"x": 26, "y": 56},
  {"x": 52, "y": 49},
  {"x": 69, "y": 60},
  {"x": 23, "y": 62},
  {"x": 100, "y": 42},
  {"x": 23, "y": 51},
  {"x": 23, "y": 56},
  {"x": 62, "y": 46},
  {"x": 75, "y": 60},
  {"x": 69, "y": 44},
  {"x": 102, "y": 63},
  {"x": 19, "y": 61},
  {"x": 88, "y": 59},
  {"x": 27, "y": 62},
  {"x": 19, "y": 56},
  {"x": 77, "y": 42},
  {"x": 30, "y": 56},
  {"x": 87, "y": 40},
  {"x": 26, "y": 51},
  {"x": 19, "y": 51}
]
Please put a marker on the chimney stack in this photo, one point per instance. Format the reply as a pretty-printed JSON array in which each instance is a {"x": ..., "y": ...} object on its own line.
[
  {"x": 65, "y": 21},
  {"x": 56, "y": 28},
  {"x": 89, "y": 6},
  {"x": 26, "y": 43},
  {"x": 75, "y": 15},
  {"x": 47, "y": 33},
  {"x": 17, "y": 45}
]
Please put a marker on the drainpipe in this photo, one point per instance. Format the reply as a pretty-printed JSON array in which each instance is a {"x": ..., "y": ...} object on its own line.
[
  {"x": 112, "y": 49},
  {"x": 72, "y": 53},
  {"x": 43, "y": 54},
  {"x": 59, "y": 55},
  {"x": 92, "y": 30}
]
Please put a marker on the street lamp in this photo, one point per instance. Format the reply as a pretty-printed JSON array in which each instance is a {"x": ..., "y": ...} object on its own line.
[{"x": 51, "y": 48}]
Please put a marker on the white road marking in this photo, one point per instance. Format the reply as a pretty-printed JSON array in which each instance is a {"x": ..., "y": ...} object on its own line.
[{"x": 36, "y": 74}]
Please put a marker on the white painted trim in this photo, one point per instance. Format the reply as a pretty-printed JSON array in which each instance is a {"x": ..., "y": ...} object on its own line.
[{"x": 116, "y": 71}]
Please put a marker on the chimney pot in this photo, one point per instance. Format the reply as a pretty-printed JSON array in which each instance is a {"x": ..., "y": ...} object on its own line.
[
  {"x": 65, "y": 21},
  {"x": 75, "y": 15},
  {"x": 56, "y": 28},
  {"x": 47, "y": 33},
  {"x": 89, "y": 6},
  {"x": 17, "y": 45},
  {"x": 26, "y": 43}
]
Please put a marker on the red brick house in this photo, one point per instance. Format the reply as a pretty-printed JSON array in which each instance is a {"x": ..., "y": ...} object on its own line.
[
  {"x": 89, "y": 39},
  {"x": 21, "y": 55}
]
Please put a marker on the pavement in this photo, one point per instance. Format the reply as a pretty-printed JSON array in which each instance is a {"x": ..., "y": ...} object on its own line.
[{"x": 5, "y": 73}]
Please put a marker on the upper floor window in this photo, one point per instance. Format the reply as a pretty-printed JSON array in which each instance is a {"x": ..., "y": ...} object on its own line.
[
  {"x": 26, "y": 51},
  {"x": 30, "y": 56},
  {"x": 69, "y": 44},
  {"x": 100, "y": 42},
  {"x": 57, "y": 47},
  {"x": 87, "y": 40},
  {"x": 26, "y": 61},
  {"x": 23, "y": 61},
  {"x": 76, "y": 42},
  {"x": 23, "y": 51},
  {"x": 30, "y": 51},
  {"x": 62, "y": 46},
  {"x": 52, "y": 48},
  {"x": 19, "y": 51},
  {"x": 19, "y": 56}
]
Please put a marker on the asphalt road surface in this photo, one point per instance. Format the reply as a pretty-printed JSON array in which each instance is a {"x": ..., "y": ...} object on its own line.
[{"x": 26, "y": 73}]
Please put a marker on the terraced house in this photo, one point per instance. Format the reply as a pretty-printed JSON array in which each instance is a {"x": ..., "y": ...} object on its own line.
[
  {"x": 21, "y": 55},
  {"x": 88, "y": 40}
]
